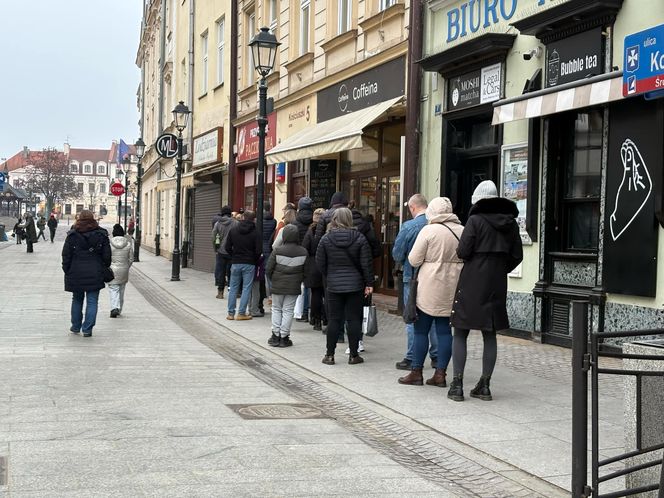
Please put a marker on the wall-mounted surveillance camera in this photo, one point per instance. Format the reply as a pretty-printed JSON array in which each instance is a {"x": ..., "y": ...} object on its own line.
[{"x": 536, "y": 52}]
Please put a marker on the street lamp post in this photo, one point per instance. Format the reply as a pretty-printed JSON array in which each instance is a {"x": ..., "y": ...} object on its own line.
[
  {"x": 140, "y": 150},
  {"x": 126, "y": 168},
  {"x": 181, "y": 117},
  {"x": 264, "y": 50}
]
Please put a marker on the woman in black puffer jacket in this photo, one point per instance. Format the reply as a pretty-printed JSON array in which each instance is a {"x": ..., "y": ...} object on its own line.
[
  {"x": 313, "y": 279},
  {"x": 344, "y": 258},
  {"x": 85, "y": 255}
]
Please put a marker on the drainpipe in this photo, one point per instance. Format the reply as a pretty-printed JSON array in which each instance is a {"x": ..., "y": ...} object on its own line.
[
  {"x": 160, "y": 121},
  {"x": 414, "y": 86},
  {"x": 233, "y": 106}
]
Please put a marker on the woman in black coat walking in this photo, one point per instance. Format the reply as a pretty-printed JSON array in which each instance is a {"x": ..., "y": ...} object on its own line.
[
  {"x": 490, "y": 248},
  {"x": 344, "y": 258},
  {"x": 313, "y": 279},
  {"x": 85, "y": 256}
]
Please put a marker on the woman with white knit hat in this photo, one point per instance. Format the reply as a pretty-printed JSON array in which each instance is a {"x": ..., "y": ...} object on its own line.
[{"x": 490, "y": 248}]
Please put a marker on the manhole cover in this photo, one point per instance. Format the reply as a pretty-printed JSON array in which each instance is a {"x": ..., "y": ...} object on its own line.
[
  {"x": 3, "y": 471},
  {"x": 277, "y": 411}
]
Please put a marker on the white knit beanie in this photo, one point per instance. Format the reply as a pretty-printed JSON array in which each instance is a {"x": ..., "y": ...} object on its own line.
[{"x": 485, "y": 190}]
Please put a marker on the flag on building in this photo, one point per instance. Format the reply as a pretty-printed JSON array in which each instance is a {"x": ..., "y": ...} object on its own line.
[{"x": 123, "y": 152}]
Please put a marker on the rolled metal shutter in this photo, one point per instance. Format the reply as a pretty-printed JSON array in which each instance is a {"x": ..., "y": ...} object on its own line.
[{"x": 207, "y": 200}]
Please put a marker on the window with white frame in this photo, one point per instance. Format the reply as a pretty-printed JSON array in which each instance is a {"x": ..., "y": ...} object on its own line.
[
  {"x": 251, "y": 32},
  {"x": 204, "y": 65},
  {"x": 384, "y": 4},
  {"x": 221, "y": 29},
  {"x": 272, "y": 11},
  {"x": 102, "y": 188},
  {"x": 91, "y": 188},
  {"x": 73, "y": 168},
  {"x": 101, "y": 169},
  {"x": 80, "y": 188},
  {"x": 344, "y": 14},
  {"x": 305, "y": 28},
  {"x": 87, "y": 168}
]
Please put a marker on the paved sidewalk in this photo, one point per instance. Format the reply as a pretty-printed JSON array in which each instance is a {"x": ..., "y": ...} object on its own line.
[
  {"x": 528, "y": 425},
  {"x": 146, "y": 406}
]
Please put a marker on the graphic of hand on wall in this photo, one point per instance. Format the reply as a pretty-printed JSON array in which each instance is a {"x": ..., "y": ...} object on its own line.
[{"x": 634, "y": 190}]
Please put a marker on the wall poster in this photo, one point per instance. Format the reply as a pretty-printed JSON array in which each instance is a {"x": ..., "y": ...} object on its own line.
[{"x": 514, "y": 183}]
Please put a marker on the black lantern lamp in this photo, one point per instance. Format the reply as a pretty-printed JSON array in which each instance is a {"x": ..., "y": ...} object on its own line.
[
  {"x": 139, "y": 146},
  {"x": 264, "y": 49},
  {"x": 181, "y": 117}
]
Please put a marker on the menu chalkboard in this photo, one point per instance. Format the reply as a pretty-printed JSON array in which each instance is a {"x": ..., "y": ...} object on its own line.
[{"x": 322, "y": 181}]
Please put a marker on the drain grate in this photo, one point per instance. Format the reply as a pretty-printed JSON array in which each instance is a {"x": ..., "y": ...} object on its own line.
[
  {"x": 3, "y": 471},
  {"x": 277, "y": 411}
]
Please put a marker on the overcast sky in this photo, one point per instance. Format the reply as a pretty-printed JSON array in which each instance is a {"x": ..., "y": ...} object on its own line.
[{"x": 68, "y": 71}]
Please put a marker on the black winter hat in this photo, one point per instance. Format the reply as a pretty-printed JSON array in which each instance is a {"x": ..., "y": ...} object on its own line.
[
  {"x": 338, "y": 198},
  {"x": 118, "y": 231},
  {"x": 305, "y": 203},
  {"x": 226, "y": 211}
]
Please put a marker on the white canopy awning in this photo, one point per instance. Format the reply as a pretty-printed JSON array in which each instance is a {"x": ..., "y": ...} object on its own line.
[
  {"x": 328, "y": 137},
  {"x": 549, "y": 101}
]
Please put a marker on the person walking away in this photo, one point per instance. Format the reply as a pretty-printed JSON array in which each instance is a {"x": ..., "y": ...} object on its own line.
[
  {"x": 269, "y": 227},
  {"x": 41, "y": 225},
  {"x": 122, "y": 257},
  {"x": 52, "y": 226},
  {"x": 222, "y": 267},
  {"x": 403, "y": 244},
  {"x": 344, "y": 258},
  {"x": 258, "y": 293},
  {"x": 243, "y": 245},
  {"x": 491, "y": 248},
  {"x": 30, "y": 232},
  {"x": 286, "y": 270},
  {"x": 85, "y": 254},
  {"x": 19, "y": 231},
  {"x": 338, "y": 200},
  {"x": 434, "y": 253},
  {"x": 313, "y": 280},
  {"x": 303, "y": 220}
]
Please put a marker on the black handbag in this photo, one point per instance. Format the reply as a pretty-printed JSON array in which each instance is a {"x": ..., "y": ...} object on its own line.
[
  {"x": 370, "y": 322},
  {"x": 410, "y": 309},
  {"x": 109, "y": 276}
]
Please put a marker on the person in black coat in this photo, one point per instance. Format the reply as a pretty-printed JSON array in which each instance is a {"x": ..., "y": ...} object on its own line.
[
  {"x": 304, "y": 217},
  {"x": 344, "y": 258},
  {"x": 313, "y": 279},
  {"x": 243, "y": 245},
  {"x": 52, "y": 226},
  {"x": 338, "y": 200},
  {"x": 85, "y": 256},
  {"x": 490, "y": 248}
]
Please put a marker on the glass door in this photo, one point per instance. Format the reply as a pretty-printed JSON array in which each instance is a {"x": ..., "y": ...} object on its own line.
[{"x": 389, "y": 227}]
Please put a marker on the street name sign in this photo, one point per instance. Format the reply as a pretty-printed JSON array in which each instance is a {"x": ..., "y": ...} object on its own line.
[
  {"x": 644, "y": 62},
  {"x": 167, "y": 145},
  {"x": 2, "y": 182},
  {"x": 117, "y": 189}
]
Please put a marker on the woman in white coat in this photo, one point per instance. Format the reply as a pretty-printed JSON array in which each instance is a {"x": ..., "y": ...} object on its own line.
[
  {"x": 434, "y": 253},
  {"x": 122, "y": 256}
]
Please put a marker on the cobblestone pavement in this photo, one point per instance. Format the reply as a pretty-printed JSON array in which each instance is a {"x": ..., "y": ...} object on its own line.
[{"x": 142, "y": 408}]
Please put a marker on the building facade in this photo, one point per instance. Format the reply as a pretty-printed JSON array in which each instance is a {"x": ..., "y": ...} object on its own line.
[{"x": 529, "y": 94}]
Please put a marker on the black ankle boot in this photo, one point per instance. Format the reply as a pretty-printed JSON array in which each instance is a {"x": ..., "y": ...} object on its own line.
[
  {"x": 482, "y": 390},
  {"x": 456, "y": 388}
]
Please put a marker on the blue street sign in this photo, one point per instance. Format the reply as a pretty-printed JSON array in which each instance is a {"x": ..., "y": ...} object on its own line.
[
  {"x": 2, "y": 182},
  {"x": 644, "y": 63}
]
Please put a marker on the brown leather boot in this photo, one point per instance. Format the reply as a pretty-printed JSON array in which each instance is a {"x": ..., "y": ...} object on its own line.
[
  {"x": 438, "y": 378},
  {"x": 414, "y": 378}
]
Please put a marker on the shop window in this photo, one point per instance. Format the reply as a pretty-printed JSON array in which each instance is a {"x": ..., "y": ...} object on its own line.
[
  {"x": 67, "y": 208},
  {"x": 365, "y": 158},
  {"x": 392, "y": 144},
  {"x": 249, "y": 197}
]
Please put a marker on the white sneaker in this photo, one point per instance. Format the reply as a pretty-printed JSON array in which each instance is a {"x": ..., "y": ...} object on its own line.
[
  {"x": 347, "y": 350},
  {"x": 360, "y": 347}
]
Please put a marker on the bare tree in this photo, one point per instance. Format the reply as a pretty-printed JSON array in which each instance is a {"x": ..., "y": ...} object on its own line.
[{"x": 49, "y": 175}]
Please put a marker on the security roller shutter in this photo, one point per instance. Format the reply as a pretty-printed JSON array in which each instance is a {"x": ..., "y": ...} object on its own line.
[{"x": 207, "y": 201}]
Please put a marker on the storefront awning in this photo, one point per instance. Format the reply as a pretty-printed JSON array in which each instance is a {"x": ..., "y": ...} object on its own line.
[
  {"x": 593, "y": 91},
  {"x": 328, "y": 137}
]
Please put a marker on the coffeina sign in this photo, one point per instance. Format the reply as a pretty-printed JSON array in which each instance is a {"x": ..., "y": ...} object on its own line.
[{"x": 470, "y": 18}]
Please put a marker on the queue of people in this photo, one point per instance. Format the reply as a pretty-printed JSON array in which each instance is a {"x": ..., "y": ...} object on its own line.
[{"x": 316, "y": 265}]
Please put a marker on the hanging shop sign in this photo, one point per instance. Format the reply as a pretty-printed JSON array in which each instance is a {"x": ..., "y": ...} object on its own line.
[
  {"x": 644, "y": 62},
  {"x": 208, "y": 147},
  {"x": 322, "y": 181},
  {"x": 474, "y": 88},
  {"x": 469, "y": 18},
  {"x": 372, "y": 87},
  {"x": 633, "y": 180},
  {"x": 247, "y": 139},
  {"x": 574, "y": 58}
]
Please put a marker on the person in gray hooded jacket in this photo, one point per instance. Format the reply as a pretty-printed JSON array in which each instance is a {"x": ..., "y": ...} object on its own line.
[
  {"x": 222, "y": 267},
  {"x": 122, "y": 257},
  {"x": 285, "y": 268}
]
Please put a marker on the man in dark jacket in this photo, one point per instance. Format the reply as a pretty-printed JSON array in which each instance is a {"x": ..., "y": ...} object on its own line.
[
  {"x": 243, "y": 245},
  {"x": 85, "y": 255},
  {"x": 304, "y": 217},
  {"x": 286, "y": 270},
  {"x": 338, "y": 200},
  {"x": 222, "y": 267},
  {"x": 269, "y": 225},
  {"x": 217, "y": 217},
  {"x": 52, "y": 226},
  {"x": 30, "y": 231},
  {"x": 490, "y": 248}
]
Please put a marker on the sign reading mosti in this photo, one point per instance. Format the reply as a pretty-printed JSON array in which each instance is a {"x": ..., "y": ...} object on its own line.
[
  {"x": 371, "y": 87},
  {"x": 469, "y": 18},
  {"x": 247, "y": 139}
]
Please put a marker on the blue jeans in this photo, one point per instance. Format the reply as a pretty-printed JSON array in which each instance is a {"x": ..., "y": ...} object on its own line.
[
  {"x": 421, "y": 343},
  {"x": 242, "y": 278},
  {"x": 92, "y": 301},
  {"x": 410, "y": 331}
]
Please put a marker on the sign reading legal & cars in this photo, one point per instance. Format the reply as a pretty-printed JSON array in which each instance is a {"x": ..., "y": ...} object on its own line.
[
  {"x": 481, "y": 86},
  {"x": 167, "y": 145},
  {"x": 208, "y": 147},
  {"x": 644, "y": 62}
]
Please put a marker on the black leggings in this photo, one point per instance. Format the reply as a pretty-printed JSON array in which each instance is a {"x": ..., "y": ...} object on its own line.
[
  {"x": 459, "y": 350},
  {"x": 343, "y": 308},
  {"x": 316, "y": 305}
]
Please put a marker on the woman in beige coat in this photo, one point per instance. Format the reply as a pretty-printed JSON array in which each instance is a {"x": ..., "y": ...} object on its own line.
[{"x": 434, "y": 253}]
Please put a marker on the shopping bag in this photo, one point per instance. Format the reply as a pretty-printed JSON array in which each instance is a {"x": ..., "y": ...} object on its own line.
[
  {"x": 370, "y": 320},
  {"x": 299, "y": 305}
]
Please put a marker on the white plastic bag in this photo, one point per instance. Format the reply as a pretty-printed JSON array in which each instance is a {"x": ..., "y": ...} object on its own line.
[{"x": 299, "y": 305}]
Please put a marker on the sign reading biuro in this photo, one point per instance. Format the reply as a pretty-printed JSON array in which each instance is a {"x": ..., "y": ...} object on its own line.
[{"x": 469, "y": 17}]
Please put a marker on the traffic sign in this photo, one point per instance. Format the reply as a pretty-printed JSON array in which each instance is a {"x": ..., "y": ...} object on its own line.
[
  {"x": 644, "y": 62},
  {"x": 167, "y": 145},
  {"x": 117, "y": 189}
]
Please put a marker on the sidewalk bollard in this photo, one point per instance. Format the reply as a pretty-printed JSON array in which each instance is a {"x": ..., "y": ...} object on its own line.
[{"x": 580, "y": 365}]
